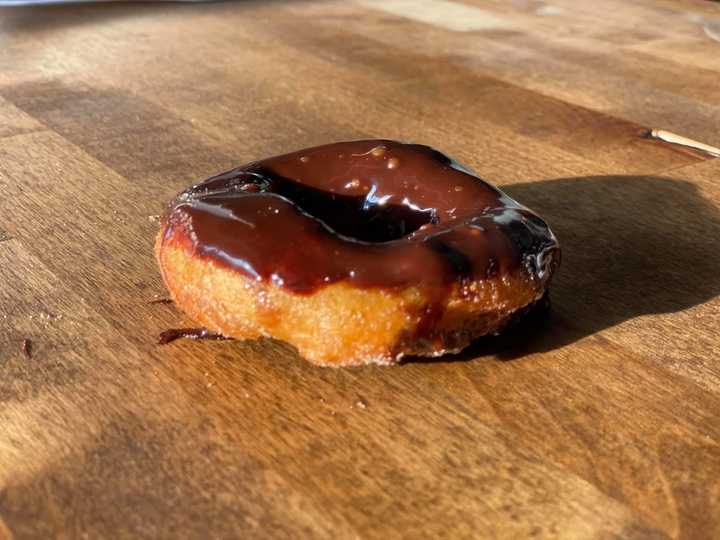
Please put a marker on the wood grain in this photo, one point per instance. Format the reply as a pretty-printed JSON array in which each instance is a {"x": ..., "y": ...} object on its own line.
[{"x": 600, "y": 421}]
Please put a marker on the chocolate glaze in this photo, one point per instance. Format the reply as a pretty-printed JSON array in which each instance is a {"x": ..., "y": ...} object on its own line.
[{"x": 373, "y": 213}]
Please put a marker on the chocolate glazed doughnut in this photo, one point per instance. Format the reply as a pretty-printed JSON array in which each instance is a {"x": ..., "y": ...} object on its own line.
[{"x": 355, "y": 252}]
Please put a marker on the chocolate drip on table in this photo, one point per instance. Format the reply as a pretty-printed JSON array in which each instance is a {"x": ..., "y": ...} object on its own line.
[
  {"x": 171, "y": 334},
  {"x": 372, "y": 213},
  {"x": 161, "y": 301},
  {"x": 26, "y": 348}
]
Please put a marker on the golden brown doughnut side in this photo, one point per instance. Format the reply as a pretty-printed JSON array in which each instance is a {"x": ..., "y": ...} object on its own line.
[{"x": 337, "y": 325}]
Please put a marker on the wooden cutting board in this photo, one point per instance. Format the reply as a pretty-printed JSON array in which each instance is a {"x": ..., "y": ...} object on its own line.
[{"x": 601, "y": 422}]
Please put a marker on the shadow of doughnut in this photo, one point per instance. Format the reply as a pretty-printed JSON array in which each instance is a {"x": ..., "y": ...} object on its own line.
[{"x": 632, "y": 246}]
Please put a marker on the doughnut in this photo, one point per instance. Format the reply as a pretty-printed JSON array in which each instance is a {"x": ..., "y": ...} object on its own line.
[{"x": 354, "y": 252}]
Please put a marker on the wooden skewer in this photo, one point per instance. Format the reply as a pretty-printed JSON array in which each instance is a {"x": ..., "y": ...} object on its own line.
[{"x": 674, "y": 138}]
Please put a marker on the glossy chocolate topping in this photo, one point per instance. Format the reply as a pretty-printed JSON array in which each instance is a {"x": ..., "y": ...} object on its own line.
[{"x": 373, "y": 213}]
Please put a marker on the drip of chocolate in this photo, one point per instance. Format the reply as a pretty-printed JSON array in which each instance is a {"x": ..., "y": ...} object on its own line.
[
  {"x": 27, "y": 348},
  {"x": 161, "y": 301},
  {"x": 372, "y": 213},
  {"x": 170, "y": 335}
]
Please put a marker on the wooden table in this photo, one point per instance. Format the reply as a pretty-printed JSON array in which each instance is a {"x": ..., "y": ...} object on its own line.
[{"x": 602, "y": 422}]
